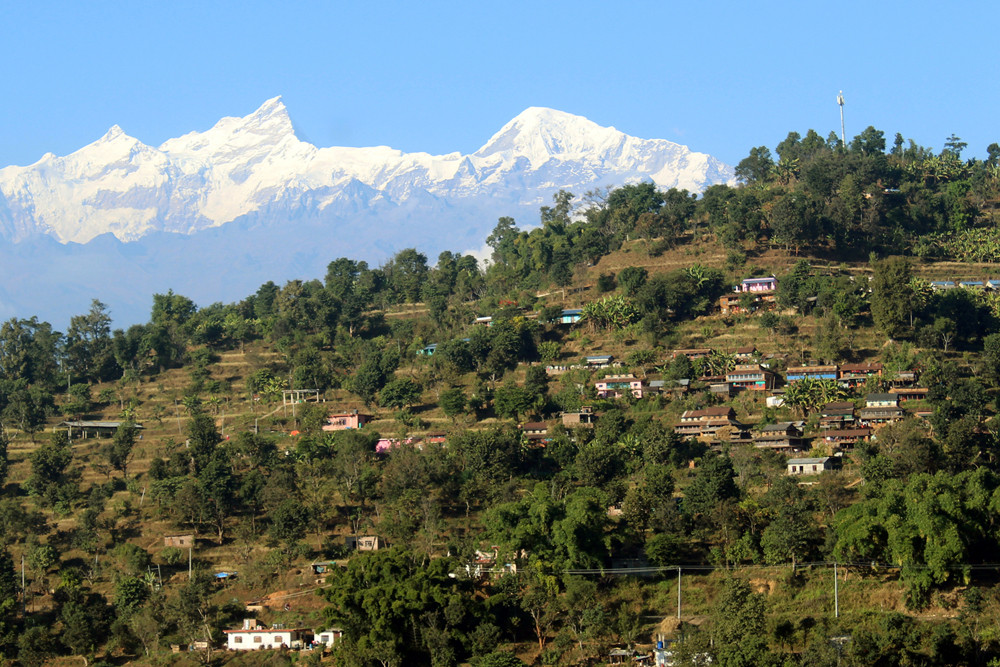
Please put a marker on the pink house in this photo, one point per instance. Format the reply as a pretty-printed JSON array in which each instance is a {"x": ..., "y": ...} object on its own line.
[
  {"x": 768, "y": 284},
  {"x": 346, "y": 420},
  {"x": 386, "y": 445},
  {"x": 615, "y": 386}
]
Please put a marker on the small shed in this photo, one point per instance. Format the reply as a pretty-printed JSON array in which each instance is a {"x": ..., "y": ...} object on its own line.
[
  {"x": 328, "y": 637},
  {"x": 570, "y": 316},
  {"x": 365, "y": 543},
  {"x": 185, "y": 541},
  {"x": 585, "y": 417},
  {"x": 93, "y": 429},
  {"x": 812, "y": 466}
]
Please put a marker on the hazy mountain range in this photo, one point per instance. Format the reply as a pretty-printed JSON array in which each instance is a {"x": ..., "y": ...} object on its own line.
[{"x": 214, "y": 214}]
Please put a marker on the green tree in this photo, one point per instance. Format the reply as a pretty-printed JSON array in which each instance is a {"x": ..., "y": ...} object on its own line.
[
  {"x": 892, "y": 296},
  {"x": 510, "y": 401},
  {"x": 28, "y": 352},
  {"x": 79, "y": 402},
  {"x": 218, "y": 490},
  {"x": 52, "y": 480},
  {"x": 203, "y": 438},
  {"x": 88, "y": 345},
  {"x": 452, "y": 402},
  {"x": 389, "y": 605},
  {"x": 756, "y": 167},
  {"x": 121, "y": 449},
  {"x": 399, "y": 393},
  {"x": 4, "y": 462},
  {"x": 713, "y": 482},
  {"x": 289, "y": 521},
  {"x": 373, "y": 374},
  {"x": 738, "y": 629},
  {"x": 8, "y": 603},
  {"x": 631, "y": 279}
]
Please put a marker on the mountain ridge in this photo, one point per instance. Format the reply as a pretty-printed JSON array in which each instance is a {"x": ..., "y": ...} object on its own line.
[
  {"x": 240, "y": 165},
  {"x": 247, "y": 201}
]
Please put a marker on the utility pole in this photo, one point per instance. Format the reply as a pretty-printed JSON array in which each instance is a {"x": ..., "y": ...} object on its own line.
[
  {"x": 24, "y": 592},
  {"x": 836, "y": 592},
  {"x": 843, "y": 135},
  {"x": 678, "y": 592}
]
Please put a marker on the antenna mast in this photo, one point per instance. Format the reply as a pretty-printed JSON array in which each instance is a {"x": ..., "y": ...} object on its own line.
[{"x": 843, "y": 136}]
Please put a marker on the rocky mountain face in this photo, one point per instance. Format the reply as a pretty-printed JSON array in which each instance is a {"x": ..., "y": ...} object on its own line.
[{"x": 213, "y": 214}]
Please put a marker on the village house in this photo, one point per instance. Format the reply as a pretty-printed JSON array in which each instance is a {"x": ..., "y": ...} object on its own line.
[
  {"x": 812, "y": 466},
  {"x": 723, "y": 389},
  {"x": 428, "y": 351},
  {"x": 838, "y": 414},
  {"x": 484, "y": 566},
  {"x": 344, "y": 421},
  {"x": 880, "y": 409},
  {"x": 769, "y": 284},
  {"x": 93, "y": 429},
  {"x": 707, "y": 423},
  {"x": 812, "y": 372},
  {"x": 185, "y": 541},
  {"x": 674, "y": 387},
  {"x": 846, "y": 438},
  {"x": 599, "y": 361},
  {"x": 365, "y": 543},
  {"x": 786, "y": 436},
  {"x": 585, "y": 417},
  {"x": 386, "y": 445},
  {"x": 694, "y": 353},
  {"x": 320, "y": 569},
  {"x": 747, "y": 301},
  {"x": 328, "y": 637},
  {"x": 486, "y": 320},
  {"x": 751, "y": 376},
  {"x": 729, "y": 303},
  {"x": 535, "y": 431},
  {"x": 852, "y": 375},
  {"x": 904, "y": 379},
  {"x": 570, "y": 316},
  {"x": 910, "y": 393},
  {"x": 254, "y": 636},
  {"x": 617, "y": 386},
  {"x": 745, "y": 354}
]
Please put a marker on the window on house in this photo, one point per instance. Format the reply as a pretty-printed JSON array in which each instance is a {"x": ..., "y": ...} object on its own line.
[
  {"x": 258, "y": 640},
  {"x": 237, "y": 639}
]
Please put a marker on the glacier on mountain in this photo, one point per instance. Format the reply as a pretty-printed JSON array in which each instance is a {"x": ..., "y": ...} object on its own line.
[{"x": 250, "y": 199}]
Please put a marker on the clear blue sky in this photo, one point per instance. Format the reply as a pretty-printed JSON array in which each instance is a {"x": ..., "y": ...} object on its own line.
[{"x": 439, "y": 77}]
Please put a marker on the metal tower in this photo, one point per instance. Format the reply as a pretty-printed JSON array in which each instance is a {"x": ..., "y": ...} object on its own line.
[{"x": 840, "y": 101}]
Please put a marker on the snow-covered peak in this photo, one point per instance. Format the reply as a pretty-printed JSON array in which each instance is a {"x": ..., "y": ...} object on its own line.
[
  {"x": 539, "y": 134},
  {"x": 110, "y": 149},
  {"x": 270, "y": 124},
  {"x": 113, "y": 133}
]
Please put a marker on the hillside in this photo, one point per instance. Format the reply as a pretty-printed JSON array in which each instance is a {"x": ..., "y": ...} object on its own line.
[{"x": 509, "y": 526}]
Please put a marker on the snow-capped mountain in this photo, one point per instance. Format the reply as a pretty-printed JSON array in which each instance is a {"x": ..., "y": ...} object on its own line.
[{"x": 249, "y": 195}]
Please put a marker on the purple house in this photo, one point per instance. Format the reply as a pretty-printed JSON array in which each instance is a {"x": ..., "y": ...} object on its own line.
[{"x": 768, "y": 284}]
